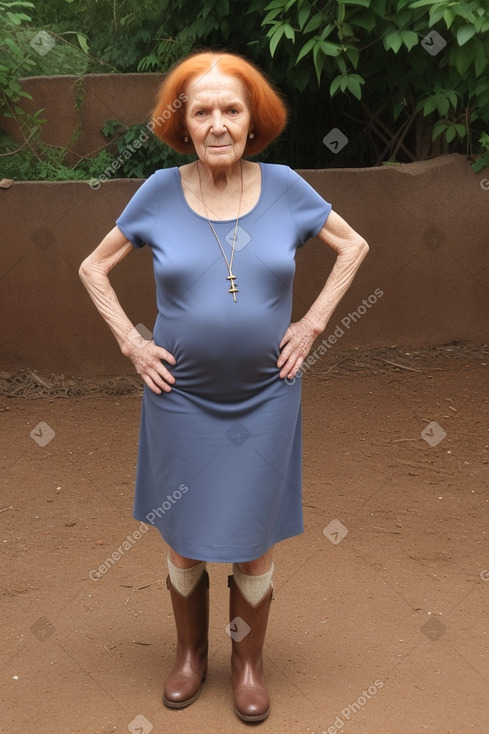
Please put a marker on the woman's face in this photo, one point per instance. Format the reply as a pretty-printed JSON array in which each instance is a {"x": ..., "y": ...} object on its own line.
[{"x": 217, "y": 118}]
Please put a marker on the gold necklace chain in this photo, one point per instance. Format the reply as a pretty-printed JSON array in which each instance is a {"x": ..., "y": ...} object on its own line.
[{"x": 233, "y": 289}]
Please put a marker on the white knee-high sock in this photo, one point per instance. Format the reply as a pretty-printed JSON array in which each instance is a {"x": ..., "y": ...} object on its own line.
[
  {"x": 185, "y": 579},
  {"x": 253, "y": 588}
]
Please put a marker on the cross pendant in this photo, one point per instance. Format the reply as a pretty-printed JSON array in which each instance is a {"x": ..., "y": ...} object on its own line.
[{"x": 233, "y": 289}]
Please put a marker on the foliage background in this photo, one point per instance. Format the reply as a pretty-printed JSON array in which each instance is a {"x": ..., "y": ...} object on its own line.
[{"x": 361, "y": 66}]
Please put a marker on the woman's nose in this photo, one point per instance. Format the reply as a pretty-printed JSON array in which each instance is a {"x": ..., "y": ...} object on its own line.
[{"x": 217, "y": 123}]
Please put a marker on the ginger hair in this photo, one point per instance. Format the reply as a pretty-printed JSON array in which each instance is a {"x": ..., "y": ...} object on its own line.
[{"x": 268, "y": 111}]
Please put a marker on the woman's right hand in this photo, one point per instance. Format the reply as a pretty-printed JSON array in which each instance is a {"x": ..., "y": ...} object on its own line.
[
  {"x": 144, "y": 354},
  {"x": 146, "y": 358}
]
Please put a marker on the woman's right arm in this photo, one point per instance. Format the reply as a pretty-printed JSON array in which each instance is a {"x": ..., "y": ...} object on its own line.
[{"x": 145, "y": 355}]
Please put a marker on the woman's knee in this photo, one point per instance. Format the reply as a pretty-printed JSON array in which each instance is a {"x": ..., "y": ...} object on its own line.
[
  {"x": 259, "y": 566},
  {"x": 181, "y": 561}
]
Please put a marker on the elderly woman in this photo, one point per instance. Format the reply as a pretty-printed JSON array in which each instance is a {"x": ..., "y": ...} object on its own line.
[{"x": 219, "y": 460}]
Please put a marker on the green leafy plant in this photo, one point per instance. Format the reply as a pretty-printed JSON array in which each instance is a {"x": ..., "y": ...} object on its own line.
[
  {"x": 403, "y": 80},
  {"x": 483, "y": 160},
  {"x": 47, "y": 163},
  {"x": 139, "y": 160},
  {"x": 25, "y": 50},
  {"x": 124, "y": 35},
  {"x": 413, "y": 72},
  {"x": 14, "y": 59}
]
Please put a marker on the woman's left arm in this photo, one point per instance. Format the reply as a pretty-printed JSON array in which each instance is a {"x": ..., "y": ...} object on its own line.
[{"x": 350, "y": 250}]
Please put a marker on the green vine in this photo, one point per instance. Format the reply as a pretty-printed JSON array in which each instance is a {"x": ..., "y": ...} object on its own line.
[{"x": 24, "y": 51}]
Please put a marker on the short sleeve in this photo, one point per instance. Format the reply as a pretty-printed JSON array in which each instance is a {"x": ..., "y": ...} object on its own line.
[
  {"x": 308, "y": 209},
  {"x": 138, "y": 218}
]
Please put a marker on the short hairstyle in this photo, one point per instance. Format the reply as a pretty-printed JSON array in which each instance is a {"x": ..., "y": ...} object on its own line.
[{"x": 268, "y": 111}]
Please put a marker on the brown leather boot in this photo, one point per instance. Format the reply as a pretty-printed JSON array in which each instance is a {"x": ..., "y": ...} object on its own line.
[
  {"x": 183, "y": 685},
  {"x": 251, "y": 700}
]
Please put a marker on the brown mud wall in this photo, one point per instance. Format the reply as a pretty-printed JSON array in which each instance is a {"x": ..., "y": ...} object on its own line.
[
  {"x": 76, "y": 108},
  {"x": 426, "y": 274}
]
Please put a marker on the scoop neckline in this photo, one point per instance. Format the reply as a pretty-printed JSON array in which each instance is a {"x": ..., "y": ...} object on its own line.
[{"x": 216, "y": 221}]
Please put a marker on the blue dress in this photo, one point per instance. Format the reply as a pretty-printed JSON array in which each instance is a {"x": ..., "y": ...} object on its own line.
[{"x": 220, "y": 456}]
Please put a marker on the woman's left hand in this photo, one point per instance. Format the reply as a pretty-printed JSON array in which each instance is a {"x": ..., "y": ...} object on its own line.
[{"x": 295, "y": 347}]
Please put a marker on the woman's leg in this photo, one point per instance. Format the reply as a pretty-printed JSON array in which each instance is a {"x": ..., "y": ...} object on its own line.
[
  {"x": 184, "y": 572},
  {"x": 259, "y": 566},
  {"x": 181, "y": 561},
  {"x": 254, "y": 578}
]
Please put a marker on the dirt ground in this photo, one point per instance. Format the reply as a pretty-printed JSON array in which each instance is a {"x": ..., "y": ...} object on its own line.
[{"x": 379, "y": 622}]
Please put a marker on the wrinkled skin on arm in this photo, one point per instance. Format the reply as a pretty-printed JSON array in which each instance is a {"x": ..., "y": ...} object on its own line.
[
  {"x": 144, "y": 354},
  {"x": 350, "y": 249}
]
